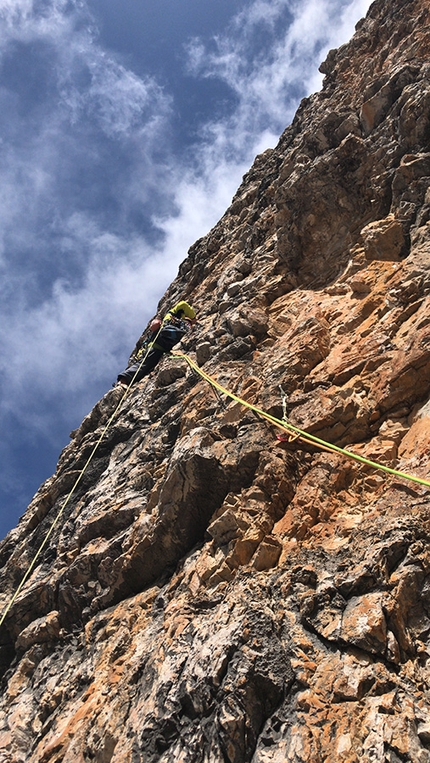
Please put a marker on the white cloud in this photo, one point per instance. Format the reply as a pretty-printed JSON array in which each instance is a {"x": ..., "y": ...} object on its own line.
[
  {"x": 74, "y": 294},
  {"x": 269, "y": 83},
  {"x": 29, "y": 20},
  {"x": 52, "y": 140},
  {"x": 121, "y": 102},
  {"x": 103, "y": 278},
  {"x": 266, "y": 82}
]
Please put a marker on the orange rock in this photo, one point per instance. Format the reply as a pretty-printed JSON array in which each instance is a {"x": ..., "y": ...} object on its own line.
[{"x": 209, "y": 594}]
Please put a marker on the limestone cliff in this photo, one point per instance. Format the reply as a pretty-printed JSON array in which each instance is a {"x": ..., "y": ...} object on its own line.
[{"x": 212, "y": 595}]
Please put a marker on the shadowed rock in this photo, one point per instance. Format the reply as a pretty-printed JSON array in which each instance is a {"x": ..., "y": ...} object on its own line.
[{"x": 211, "y": 594}]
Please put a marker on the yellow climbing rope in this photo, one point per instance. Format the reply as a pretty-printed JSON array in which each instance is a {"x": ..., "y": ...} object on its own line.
[
  {"x": 299, "y": 433},
  {"x": 75, "y": 485},
  {"x": 281, "y": 424}
]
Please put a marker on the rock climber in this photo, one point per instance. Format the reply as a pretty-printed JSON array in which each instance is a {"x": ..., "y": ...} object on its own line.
[{"x": 162, "y": 337}]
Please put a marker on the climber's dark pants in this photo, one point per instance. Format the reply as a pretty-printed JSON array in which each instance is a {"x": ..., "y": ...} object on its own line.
[{"x": 147, "y": 366}]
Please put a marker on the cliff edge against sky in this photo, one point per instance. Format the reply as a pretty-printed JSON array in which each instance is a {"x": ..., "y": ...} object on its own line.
[{"x": 213, "y": 595}]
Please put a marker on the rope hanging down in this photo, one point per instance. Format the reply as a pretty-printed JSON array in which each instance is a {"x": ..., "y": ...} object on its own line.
[
  {"x": 281, "y": 424},
  {"x": 75, "y": 485},
  {"x": 299, "y": 433}
]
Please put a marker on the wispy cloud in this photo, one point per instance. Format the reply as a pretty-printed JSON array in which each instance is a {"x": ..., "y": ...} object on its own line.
[
  {"x": 94, "y": 86},
  {"x": 270, "y": 59},
  {"x": 97, "y": 206}
]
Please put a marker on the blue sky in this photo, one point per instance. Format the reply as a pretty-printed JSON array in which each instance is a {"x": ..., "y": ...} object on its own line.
[{"x": 125, "y": 129}]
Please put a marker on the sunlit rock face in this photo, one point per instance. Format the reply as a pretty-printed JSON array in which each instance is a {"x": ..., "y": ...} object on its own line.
[{"x": 210, "y": 594}]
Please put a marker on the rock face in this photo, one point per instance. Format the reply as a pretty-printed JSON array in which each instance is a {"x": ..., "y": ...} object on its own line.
[{"x": 211, "y": 595}]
